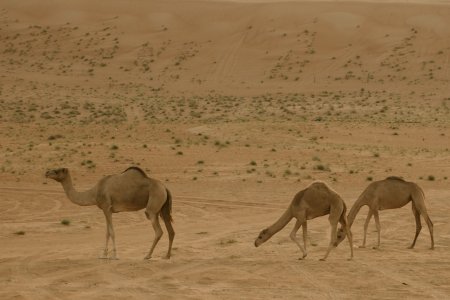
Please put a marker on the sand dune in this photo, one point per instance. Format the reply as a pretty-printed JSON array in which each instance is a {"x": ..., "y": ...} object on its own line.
[{"x": 236, "y": 106}]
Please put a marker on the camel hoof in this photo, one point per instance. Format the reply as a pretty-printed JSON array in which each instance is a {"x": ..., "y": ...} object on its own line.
[
  {"x": 410, "y": 247},
  {"x": 322, "y": 259},
  {"x": 376, "y": 248},
  {"x": 432, "y": 248},
  {"x": 104, "y": 254},
  {"x": 147, "y": 257},
  {"x": 362, "y": 246},
  {"x": 351, "y": 258},
  {"x": 167, "y": 257},
  {"x": 314, "y": 244}
]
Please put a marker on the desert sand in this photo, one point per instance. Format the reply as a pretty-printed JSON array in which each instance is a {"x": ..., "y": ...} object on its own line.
[{"x": 235, "y": 106}]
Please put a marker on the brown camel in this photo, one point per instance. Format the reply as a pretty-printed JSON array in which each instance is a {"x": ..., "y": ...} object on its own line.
[
  {"x": 131, "y": 190},
  {"x": 392, "y": 192},
  {"x": 316, "y": 200}
]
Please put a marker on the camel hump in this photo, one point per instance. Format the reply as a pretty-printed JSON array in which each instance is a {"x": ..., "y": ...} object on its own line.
[
  {"x": 136, "y": 169},
  {"x": 395, "y": 178},
  {"x": 319, "y": 185}
]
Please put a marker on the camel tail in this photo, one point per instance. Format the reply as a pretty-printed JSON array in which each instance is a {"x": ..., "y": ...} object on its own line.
[{"x": 166, "y": 210}]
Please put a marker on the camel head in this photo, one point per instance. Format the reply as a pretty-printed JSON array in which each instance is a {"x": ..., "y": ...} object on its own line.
[
  {"x": 340, "y": 236},
  {"x": 262, "y": 237},
  {"x": 57, "y": 174}
]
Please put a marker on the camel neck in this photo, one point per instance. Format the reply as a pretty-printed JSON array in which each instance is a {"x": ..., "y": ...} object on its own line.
[
  {"x": 80, "y": 198},
  {"x": 281, "y": 222},
  {"x": 354, "y": 211}
]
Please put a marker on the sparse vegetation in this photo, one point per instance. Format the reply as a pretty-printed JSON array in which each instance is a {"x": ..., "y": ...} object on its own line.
[
  {"x": 270, "y": 109},
  {"x": 228, "y": 242},
  {"x": 321, "y": 167}
]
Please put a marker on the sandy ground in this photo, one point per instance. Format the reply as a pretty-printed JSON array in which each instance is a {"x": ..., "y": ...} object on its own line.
[{"x": 235, "y": 106}]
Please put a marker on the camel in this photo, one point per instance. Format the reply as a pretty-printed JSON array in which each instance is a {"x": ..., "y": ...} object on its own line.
[
  {"x": 316, "y": 200},
  {"x": 392, "y": 192},
  {"x": 131, "y": 190}
]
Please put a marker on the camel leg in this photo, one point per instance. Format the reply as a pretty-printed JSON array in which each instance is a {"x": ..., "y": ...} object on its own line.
[
  {"x": 105, "y": 251},
  {"x": 305, "y": 234},
  {"x": 158, "y": 233},
  {"x": 377, "y": 224},
  {"x": 348, "y": 233},
  {"x": 333, "y": 239},
  {"x": 110, "y": 232},
  {"x": 420, "y": 207},
  {"x": 293, "y": 236},
  {"x": 366, "y": 225},
  {"x": 171, "y": 236},
  {"x": 350, "y": 240},
  {"x": 427, "y": 219},
  {"x": 430, "y": 228},
  {"x": 418, "y": 225}
]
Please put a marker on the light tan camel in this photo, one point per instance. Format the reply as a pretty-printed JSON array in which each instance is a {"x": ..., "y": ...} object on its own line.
[
  {"x": 316, "y": 200},
  {"x": 131, "y": 190},
  {"x": 392, "y": 192}
]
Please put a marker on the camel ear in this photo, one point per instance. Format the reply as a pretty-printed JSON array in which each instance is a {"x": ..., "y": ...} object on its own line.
[{"x": 65, "y": 170}]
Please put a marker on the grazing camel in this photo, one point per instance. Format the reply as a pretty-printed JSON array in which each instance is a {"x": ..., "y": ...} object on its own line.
[
  {"x": 131, "y": 190},
  {"x": 314, "y": 201},
  {"x": 392, "y": 192}
]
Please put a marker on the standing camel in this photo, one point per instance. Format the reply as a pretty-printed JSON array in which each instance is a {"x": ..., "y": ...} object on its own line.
[
  {"x": 314, "y": 201},
  {"x": 392, "y": 192},
  {"x": 131, "y": 190}
]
